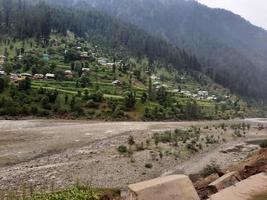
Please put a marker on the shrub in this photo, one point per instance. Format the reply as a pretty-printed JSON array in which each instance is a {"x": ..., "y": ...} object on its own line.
[
  {"x": 131, "y": 140},
  {"x": 122, "y": 149},
  {"x": 263, "y": 144},
  {"x": 148, "y": 165},
  {"x": 91, "y": 104}
]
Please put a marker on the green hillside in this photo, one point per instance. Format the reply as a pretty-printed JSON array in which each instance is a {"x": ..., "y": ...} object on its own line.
[
  {"x": 71, "y": 63},
  {"x": 73, "y": 78}
]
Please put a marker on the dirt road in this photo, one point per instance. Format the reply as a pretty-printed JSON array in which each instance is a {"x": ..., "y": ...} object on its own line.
[{"x": 62, "y": 152}]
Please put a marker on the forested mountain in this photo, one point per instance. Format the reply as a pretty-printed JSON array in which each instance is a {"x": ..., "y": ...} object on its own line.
[
  {"x": 232, "y": 50},
  {"x": 25, "y": 19}
]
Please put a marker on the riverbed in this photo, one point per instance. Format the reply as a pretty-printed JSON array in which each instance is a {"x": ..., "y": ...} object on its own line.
[{"x": 39, "y": 152}]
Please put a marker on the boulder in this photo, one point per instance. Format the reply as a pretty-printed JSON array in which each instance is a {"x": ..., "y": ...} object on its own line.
[
  {"x": 244, "y": 190},
  {"x": 175, "y": 187},
  {"x": 223, "y": 182}
]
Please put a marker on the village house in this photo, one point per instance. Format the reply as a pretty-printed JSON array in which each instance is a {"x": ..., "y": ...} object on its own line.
[
  {"x": 30, "y": 52},
  {"x": 15, "y": 78},
  {"x": 85, "y": 69},
  {"x": 84, "y": 56},
  {"x": 102, "y": 61},
  {"x": 2, "y": 59},
  {"x": 157, "y": 87},
  {"x": 2, "y": 73},
  {"x": 68, "y": 74},
  {"x": 186, "y": 93},
  {"x": 154, "y": 77},
  {"x": 25, "y": 75},
  {"x": 55, "y": 43},
  {"x": 165, "y": 85},
  {"x": 38, "y": 76},
  {"x": 195, "y": 96},
  {"x": 175, "y": 91},
  {"x": 50, "y": 76},
  {"x": 156, "y": 83},
  {"x": 111, "y": 64},
  {"x": 204, "y": 94},
  {"x": 46, "y": 57},
  {"x": 20, "y": 57},
  {"x": 212, "y": 98},
  {"x": 116, "y": 82}
]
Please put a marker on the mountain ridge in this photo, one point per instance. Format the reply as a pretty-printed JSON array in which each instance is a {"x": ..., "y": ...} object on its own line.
[{"x": 223, "y": 41}]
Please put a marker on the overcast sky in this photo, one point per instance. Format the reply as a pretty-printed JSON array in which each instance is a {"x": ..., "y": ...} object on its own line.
[{"x": 254, "y": 11}]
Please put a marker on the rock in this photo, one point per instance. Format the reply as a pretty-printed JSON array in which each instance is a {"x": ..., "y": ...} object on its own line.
[
  {"x": 175, "y": 187},
  {"x": 206, "y": 181},
  {"x": 223, "y": 182},
  {"x": 244, "y": 190}
]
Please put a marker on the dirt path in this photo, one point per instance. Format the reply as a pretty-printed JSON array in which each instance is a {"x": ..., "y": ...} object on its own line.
[{"x": 44, "y": 151}]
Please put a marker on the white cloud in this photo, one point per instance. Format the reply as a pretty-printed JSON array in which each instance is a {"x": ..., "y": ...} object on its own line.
[{"x": 253, "y": 10}]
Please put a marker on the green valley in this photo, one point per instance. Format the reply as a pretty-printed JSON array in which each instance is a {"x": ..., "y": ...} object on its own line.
[{"x": 71, "y": 77}]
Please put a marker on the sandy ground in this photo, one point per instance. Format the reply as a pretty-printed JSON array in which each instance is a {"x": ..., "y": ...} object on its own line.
[{"x": 39, "y": 152}]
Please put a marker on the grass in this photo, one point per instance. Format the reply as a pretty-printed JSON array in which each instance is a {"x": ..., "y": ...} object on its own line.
[{"x": 76, "y": 192}]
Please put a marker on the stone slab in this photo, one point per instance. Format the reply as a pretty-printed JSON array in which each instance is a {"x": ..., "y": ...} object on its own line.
[{"x": 175, "y": 187}]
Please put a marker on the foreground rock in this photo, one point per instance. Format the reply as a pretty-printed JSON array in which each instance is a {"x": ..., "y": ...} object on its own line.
[
  {"x": 175, "y": 187},
  {"x": 244, "y": 190},
  {"x": 223, "y": 182}
]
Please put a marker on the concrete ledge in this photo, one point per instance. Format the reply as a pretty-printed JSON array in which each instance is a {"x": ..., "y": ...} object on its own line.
[{"x": 175, "y": 187}]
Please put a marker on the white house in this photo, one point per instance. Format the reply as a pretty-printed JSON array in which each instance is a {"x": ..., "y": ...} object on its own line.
[
  {"x": 20, "y": 57},
  {"x": 186, "y": 93},
  {"x": 102, "y": 61},
  {"x": 85, "y": 69},
  {"x": 157, "y": 83},
  {"x": 38, "y": 76},
  {"x": 2, "y": 73},
  {"x": 110, "y": 64},
  {"x": 68, "y": 73},
  {"x": 116, "y": 82},
  {"x": 203, "y": 93},
  {"x": 154, "y": 77},
  {"x": 50, "y": 76},
  {"x": 26, "y": 75}
]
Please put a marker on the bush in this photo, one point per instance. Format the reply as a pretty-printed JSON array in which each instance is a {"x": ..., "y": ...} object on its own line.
[
  {"x": 148, "y": 165},
  {"x": 97, "y": 97},
  {"x": 91, "y": 104},
  {"x": 3, "y": 84},
  {"x": 263, "y": 144},
  {"x": 122, "y": 149}
]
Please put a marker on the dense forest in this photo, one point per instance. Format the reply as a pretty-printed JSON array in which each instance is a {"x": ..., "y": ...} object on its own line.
[{"x": 23, "y": 20}]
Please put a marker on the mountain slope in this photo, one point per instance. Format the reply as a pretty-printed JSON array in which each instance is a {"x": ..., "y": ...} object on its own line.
[
  {"x": 232, "y": 50},
  {"x": 17, "y": 19}
]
